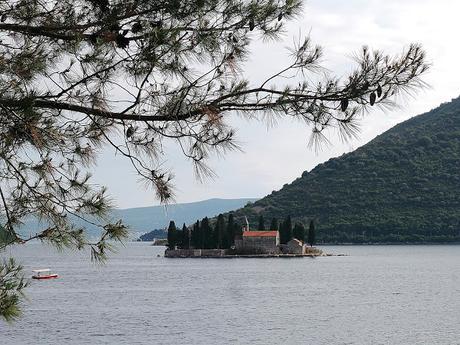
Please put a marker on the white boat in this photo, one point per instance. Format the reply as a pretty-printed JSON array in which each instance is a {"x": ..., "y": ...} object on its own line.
[{"x": 44, "y": 273}]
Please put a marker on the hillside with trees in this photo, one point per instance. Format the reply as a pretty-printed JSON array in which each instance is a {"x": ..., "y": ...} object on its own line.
[{"x": 400, "y": 187}]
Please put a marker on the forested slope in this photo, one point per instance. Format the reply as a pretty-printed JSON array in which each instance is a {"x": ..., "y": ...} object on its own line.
[{"x": 402, "y": 186}]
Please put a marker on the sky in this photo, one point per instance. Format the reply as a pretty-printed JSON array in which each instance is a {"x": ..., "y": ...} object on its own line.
[{"x": 272, "y": 156}]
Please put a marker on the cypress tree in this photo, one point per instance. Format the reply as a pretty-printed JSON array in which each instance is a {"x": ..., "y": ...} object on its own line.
[
  {"x": 230, "y": 230},
  {"x": 185, "y": 237},
  {"x": 219, "y": 232},
  {"x": 172, "y": 235},
  {"x": 193, "y": 236},
  {"x": 207, "y": 234},
  {"x": 178, "y": 238},
  {"x": 311, "y": 234},
  {"x": 261, "y": 225},
  {"x": 299, "y": 231},
  {"x": 274, "y": 224},
  {"x": 196, "y": 235},
  {"x": 286, "y": 230},
  {"x": 238, "y": 229},
  {"x": 282, "y": 230},
  {"x": 289, "y": 228}
]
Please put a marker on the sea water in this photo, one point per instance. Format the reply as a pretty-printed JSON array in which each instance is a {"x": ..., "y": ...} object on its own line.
[{"x": 375, "y": 295}]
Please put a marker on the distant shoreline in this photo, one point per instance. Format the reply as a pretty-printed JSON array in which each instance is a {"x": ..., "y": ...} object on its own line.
[{"x": 390, "y": 244}]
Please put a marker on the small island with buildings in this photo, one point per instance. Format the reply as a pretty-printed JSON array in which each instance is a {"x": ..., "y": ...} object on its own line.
[{"x": 228, "y": 240}]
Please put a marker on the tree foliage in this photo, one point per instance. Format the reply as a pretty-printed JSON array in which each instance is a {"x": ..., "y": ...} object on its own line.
[
  {"x": 196, "y": 236},
  {"x": 217, "y": 233},
  {"x": 299, "y": 231},
  {"x": 311, "y": 237},
  {"x": 78, "y": 76},
  {"x": 221, "y": 240},
  {"x": 208, "y": 234},
  {"x": 261, "y": 225},
  {"x": 285, "y": 230},
  {"x": 232, "y": 229},
  {"x": 173, "y": 235},
  {"x": 274, "y": 225},
  {"x": 185, "y": 237},
  {"x": 12, "y": 284}
]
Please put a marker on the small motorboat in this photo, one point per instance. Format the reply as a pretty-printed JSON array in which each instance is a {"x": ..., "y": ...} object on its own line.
[{"x": 44, "y": 273}]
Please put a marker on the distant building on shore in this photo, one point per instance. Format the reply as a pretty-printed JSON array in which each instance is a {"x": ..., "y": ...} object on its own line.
[
  {"x": 259, "y": 242},
  {"x": 294, "y": 246}
]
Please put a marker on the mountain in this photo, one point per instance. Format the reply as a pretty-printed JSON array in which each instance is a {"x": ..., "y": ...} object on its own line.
[
  {"x": 402, "y": 186},
  {"x": 144, "y": 219}
]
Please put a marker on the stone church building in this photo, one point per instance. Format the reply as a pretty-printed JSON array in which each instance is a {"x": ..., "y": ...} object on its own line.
[{"x": 259, "y": 242}]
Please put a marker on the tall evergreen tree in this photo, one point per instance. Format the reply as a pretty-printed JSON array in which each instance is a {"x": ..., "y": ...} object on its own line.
[
  {"x": 230, "y": 230},
  {"x": 178, "y": 238},
  {"x": 196, "y": 235},
  {"x": 289, "y": 227},
  {"x": 207, "y": 234},
  {"x": 172, "y": 235},
  {"x": 286, "y": 230},
  {"x": 219, "y": 232},
  {"x": 185, "y": 237},
  {"x": 261, "y": 225},
  {"x": 238, "y": 229},
  {"x": 299, "y": 232},
  {"x": 274, "y": 224},
  {"x": 311, "y": 239},
  {"x": 282, "y": 232}
]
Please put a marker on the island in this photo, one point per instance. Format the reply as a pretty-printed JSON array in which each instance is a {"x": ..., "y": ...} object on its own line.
[{"x": 245, "y": 243}]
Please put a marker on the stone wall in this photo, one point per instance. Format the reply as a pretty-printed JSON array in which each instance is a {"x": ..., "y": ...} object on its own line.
[
  {"x": 195, "y": 253},
  {"x": 213, "y": 252},
  {"x": 238, "y": 243},
  {"x": 263, "y": 247},
  {"x": 294, "y": 246},
  {"x": 260, "y": 244}
]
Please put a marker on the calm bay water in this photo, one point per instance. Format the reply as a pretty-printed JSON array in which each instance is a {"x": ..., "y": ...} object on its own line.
[{"x": 376, "y": 295}]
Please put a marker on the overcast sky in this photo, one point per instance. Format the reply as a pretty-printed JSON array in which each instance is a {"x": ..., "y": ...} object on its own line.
[{"x": 277, "y": 155}]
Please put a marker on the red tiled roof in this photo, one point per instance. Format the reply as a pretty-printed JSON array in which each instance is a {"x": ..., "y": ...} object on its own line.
[{"x": 260, "y": 233}]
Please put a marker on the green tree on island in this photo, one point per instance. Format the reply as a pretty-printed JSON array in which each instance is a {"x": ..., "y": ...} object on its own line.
[
  {"x": 286, "y": 230},
  {"x": 311, "y": 238},
  {"x": 219, "y": 230},
  {"x": 65, "y": 65},
  {"x": 299, "y": 231},
  {"x": 172, "y": 235},
  {"x": 196, "y": 235},
  {"x": 185, "y": 243},
  {"x": 231, "y": 229},
  {"x": 274, "y": 225},
  {"x": 209, "y": 239},
  {"x": 261, "y": 225}
]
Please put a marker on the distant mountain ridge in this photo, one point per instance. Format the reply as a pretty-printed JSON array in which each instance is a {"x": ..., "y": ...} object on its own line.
[
  {"x": 402, "y": 186},
  {"x": 144, "y": 219}
]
